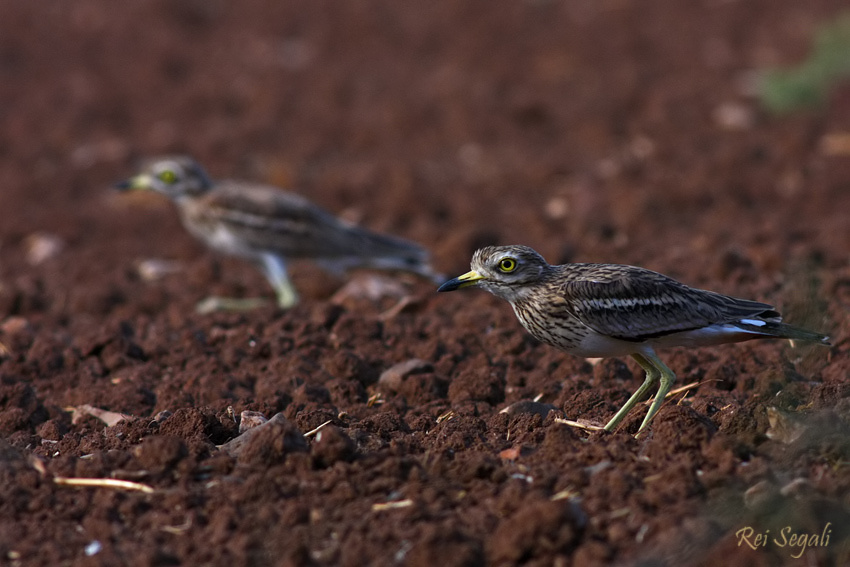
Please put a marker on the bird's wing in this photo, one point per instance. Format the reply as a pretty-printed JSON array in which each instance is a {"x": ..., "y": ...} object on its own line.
[
  {"x": 288, "y": 224},
  {"x": 635, "y": 304},
  {"x": 269, "y": 219}
]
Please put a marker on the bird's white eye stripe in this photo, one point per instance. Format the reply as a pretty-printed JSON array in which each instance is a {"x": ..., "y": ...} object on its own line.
[{"x": 754, "y": 322}]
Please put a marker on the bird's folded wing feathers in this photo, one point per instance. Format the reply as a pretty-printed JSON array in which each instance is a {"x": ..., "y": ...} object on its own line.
[
  {"x": 269, "y": 218},
  {"x": 635, "y": 304}
]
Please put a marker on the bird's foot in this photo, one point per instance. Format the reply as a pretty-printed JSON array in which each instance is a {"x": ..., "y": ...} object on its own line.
[{"x": 215, "y": 304}]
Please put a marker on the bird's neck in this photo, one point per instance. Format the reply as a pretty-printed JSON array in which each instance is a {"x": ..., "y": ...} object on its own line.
[{"x": 517, "y": 295}]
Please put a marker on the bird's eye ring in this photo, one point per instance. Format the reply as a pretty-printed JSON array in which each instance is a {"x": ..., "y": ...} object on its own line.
[
  {"x": 507, "y": 265},
  {"x": 167, "y": 176}
]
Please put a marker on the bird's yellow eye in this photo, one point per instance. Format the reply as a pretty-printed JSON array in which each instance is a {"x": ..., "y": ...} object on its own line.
[
  {"x": 507, "y": 265},
  {"x": 167, "y": 176}
]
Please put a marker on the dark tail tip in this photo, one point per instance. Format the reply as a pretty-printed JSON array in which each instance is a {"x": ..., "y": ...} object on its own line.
[{"x": 809, "y": 337}]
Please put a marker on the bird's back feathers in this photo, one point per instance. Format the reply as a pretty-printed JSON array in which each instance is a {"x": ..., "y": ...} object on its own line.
[
  {"x": 284, "y": 223},
  {"x": 635, "y": 304}
]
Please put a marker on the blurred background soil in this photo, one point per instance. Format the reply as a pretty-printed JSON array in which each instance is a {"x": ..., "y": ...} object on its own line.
[{"x": 592, "y": 130}]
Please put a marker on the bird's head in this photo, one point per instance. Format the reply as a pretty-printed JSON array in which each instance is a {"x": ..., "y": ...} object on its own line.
[
  {"x": 175, "y": 177},
  {"x": 505, "y": 271}
]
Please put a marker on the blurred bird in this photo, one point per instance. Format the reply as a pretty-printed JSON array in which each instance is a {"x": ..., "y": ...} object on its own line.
[
  {"x": 269, "y": 226},
  {"x": 604, "y": 310}
]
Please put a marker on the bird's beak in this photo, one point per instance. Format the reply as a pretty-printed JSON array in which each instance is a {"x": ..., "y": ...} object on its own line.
[
  {"x": 142, "y": 181},
  {"x": 466, "y": 280}
]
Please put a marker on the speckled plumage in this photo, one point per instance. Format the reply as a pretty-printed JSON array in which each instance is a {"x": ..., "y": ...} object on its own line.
[
  {"x": 267, "y": 225},
  {"x": 603, "y": 310}
]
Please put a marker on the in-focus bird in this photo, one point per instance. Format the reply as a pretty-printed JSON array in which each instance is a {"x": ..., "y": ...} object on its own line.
[
  {"x": 269, "y": 226},
  {"x": 605, "y": 310}
]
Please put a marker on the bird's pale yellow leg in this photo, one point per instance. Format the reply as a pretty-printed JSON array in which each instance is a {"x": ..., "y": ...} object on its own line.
[
  {"x": 286, "y": 294},
  {"x": 275, "y": 269},
  {"x": 652, "y": 376},
  {"x": 667, "y": 378},
  {"x": 215, "y": 304},
  {"x": 286, "y": 298}
]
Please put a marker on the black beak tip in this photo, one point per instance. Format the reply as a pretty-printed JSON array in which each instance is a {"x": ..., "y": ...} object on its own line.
[
  {"x": 450, "y": 285},
  {"x": 123, "y": 185}
]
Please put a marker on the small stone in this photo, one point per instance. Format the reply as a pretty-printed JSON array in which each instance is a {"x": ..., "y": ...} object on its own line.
[
  {"x": 267, "y": 444},
  {"x": 162, "y": 416},
  {"x": 797, "y": 488},
  {"x": 511, "y": 454},
  {"x": 785, "y": 427},
  {"x": 15, "y": 325},
  {"x": 761, "y": 496},
  {"x": 370, "y": 287},
  {"x": 557, "y": 208},
  {"x": 394, "y": 376},
  {"x": 734, "y": 116},
  {"x": 41, "y": 246},
  {"x": 93, "y": 548},
  {"x": 154, "y": 269},
  {"x": 250, "y": 419}
]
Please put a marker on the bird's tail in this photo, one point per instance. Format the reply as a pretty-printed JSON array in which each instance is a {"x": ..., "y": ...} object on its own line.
[
  {"x": 773, "y": 327},
  {"x": 367, "y": 249}
]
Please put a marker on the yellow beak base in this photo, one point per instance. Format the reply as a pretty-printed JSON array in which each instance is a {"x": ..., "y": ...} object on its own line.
[{"x": 466, "y": 280}]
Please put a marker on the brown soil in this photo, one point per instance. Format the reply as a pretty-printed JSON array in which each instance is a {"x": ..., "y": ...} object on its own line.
[{"x": 590, "y": 130}]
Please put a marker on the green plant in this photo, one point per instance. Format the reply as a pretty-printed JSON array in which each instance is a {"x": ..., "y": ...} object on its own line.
[{"x": 785, "y": 90}]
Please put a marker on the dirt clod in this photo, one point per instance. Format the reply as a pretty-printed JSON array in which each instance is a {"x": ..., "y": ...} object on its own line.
[{"x": 267, "y": 443}]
